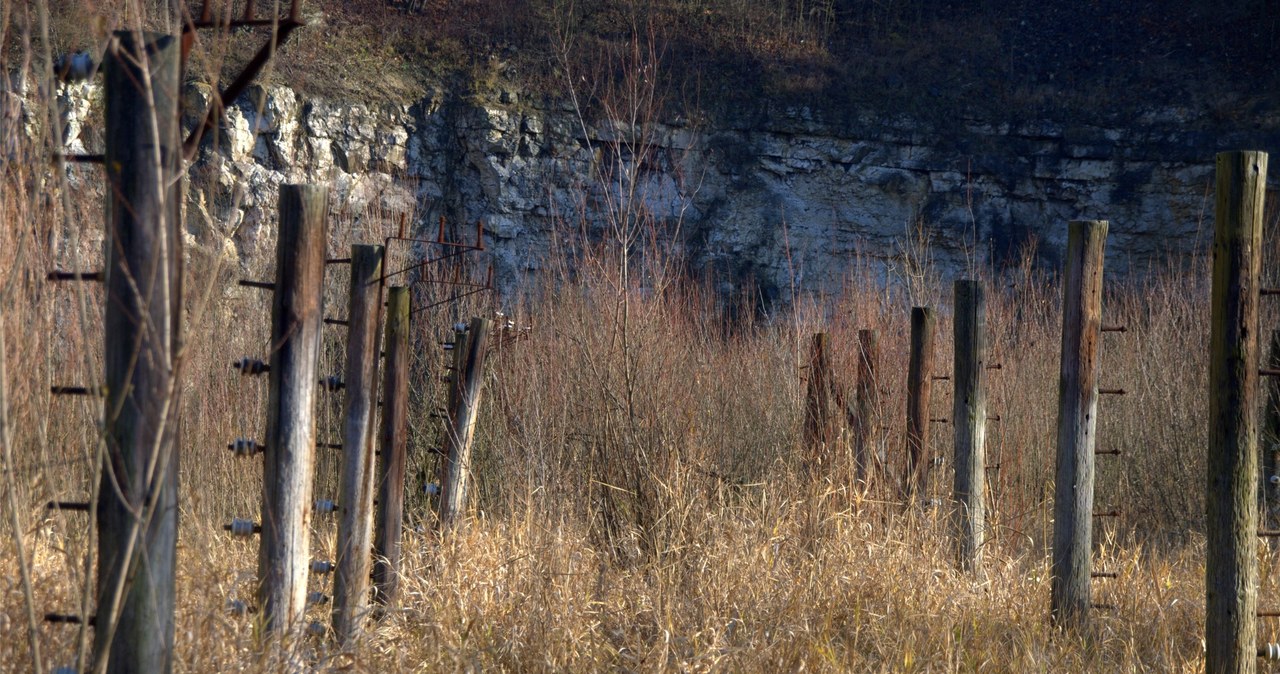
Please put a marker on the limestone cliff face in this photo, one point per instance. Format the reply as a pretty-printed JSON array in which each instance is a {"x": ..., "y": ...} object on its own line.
[{"x": 777, "y": 196}]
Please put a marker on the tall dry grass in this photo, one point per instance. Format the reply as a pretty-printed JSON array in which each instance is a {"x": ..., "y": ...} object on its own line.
[{"x": 640, "y": 503}]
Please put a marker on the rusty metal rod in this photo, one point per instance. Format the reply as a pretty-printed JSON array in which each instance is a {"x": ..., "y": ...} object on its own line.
[
  {"x": 265, "y": 285},
  {"x": 77, "y": 390},
  {"x": 1105, "y": 574},
  {"x": 74, "y": 276},
  {"x": 337, "y": 321},
  {"x": 76, "y": 506},
  {"x": 1111, "y": 391},
  {"x": 81, "y": 158},
  {"x": 68, "y": 619},
  {"x": 1113, "y": 452},
  {"x": 451, "y": 299},
  {"x": 1107, "y": 513},
  {"x": 1114, "y": 328}
]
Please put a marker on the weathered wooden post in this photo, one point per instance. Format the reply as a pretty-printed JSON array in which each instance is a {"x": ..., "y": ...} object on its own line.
[
  {"x": 1077, "y": 421},
  {"x": 866, "y": 402},
  {"x": 819, "y": 406},
  {"x": 355, "y": 525},
  {"x": 1231, "y": 523},
  {"x": 969, "y": 415},
  {"x": 467, "y": 380},
  {"x": 395, "y": 426},
  {"x": 919, "y": 390},
  {"x": 137, "y": 513},
  {"x": 288, "y": 469},
  {"x": 1270, "y": 488}
]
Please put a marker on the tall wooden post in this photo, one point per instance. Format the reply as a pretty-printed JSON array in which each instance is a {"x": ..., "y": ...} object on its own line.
[
  {"x": 1270, "y": 488},
  {"x": 919, "y": 390},
  {"x": 467, "y": 381},
  {"x": 395, "y": 427},
  {"x": 969, "y": 415},
  {"x": 1077, "y": 421},
  {"x": 819, "y": 406},
  {"x": 866, "y": 403},
  {"x": 355, "y": 525},
  {"x": 288, "y": 469},
  {"x": 1231, "y": 564},
  {"x": 137, "y": 512}
]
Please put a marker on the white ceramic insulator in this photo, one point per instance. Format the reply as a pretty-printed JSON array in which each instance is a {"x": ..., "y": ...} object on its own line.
[
  {"x": 326, "y": 506},
  {"x": 1271, "y": 651},
  {"x": 237, "y": 607},
  {"x": 1274, "y": 479},
  {"x": 241, "y": 527},
  {"x": 316, "y": 629},
  {"x": 459, "y": 327},
  {"x": 321, "y": 566},
  {"x": 245, "y": 447},
  {"x": 431, "y": 489}
]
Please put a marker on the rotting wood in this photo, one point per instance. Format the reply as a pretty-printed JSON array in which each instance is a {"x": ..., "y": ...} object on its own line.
[
  {"x": 1070, "y": 602},
  {"x": 460, "y": 431},
  {"x": 868, "y": 464},
  {"x": 394, "y": 437},
  {"x": 355, "y": 524},
  {"x": 919, "y": 390},
  {"x": 969, "y": 410},
  {"x": 1231, "y": 522},
  {"x": 137, "y": 507},
  {"x": 288, "y": 468}
]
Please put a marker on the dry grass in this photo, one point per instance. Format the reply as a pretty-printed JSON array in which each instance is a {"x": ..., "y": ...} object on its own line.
[
  {"x": 641, "y": 509},
  {"x": 640, "y": 505}
]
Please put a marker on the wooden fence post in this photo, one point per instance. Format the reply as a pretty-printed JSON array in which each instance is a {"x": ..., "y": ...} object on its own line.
[
  {"x": 1231, "y": 523},
  {"x": 866, "y": 403},
  {"x": 1077, "y": 421},
  {"x": 819, "y": 407},
  {"x": 355, "y": 525},
  {"x": 467, "y": 380},
  {"x": 969, "y": 414},
  {"x": 919, "y": 390},
  {"x": 288, "y": 469},
  {"x": 395, "y": 425},
  {"x": 137, "y": 511},
  {"x": 1270, "y": 515}
]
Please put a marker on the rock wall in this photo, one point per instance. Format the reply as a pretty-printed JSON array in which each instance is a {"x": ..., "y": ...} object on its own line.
[{"x": 775, "y": 195}]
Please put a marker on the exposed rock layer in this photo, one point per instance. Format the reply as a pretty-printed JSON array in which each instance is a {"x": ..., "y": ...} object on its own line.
[{"x": 777, "y": 197}]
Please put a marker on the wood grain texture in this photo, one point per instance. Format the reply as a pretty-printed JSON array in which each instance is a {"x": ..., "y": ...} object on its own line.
[
  {"x": 394, "y": 438},
  {"x": 137, "y": 510},
  {"x": 355, "y": 523},
  {"x": 820, "y": 408},
  {"x": 288, "y": 469},
  {"x": 1231, "y": 507},
  {"x": 1069, "y": 603},
  {"x": 969, "y": 415},
  {"x": 460, "y": 432},
  {"x": 919, "y": 393},
  {"x": 866, "y": 407}
]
